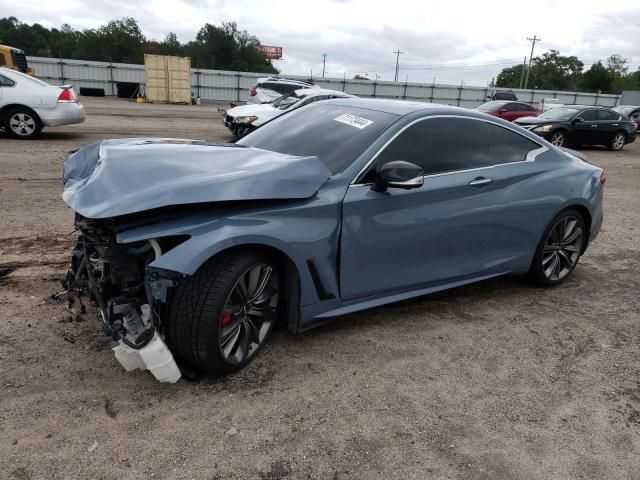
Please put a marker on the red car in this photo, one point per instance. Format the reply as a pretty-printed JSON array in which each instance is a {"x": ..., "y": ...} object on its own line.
[{"x": 509, "y": 110}]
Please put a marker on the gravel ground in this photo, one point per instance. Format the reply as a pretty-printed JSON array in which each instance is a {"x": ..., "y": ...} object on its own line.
[{"x": 496, "y": 380}]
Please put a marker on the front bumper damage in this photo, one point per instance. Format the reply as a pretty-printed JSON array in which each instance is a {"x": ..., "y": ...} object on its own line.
[{"x": 131, "y": 296}]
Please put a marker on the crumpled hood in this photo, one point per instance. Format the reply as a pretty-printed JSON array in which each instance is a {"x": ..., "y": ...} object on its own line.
[{"x": 109, "y": 178}]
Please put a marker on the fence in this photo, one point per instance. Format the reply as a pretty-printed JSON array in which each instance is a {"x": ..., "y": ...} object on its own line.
[{"x": 233, "y": 86}]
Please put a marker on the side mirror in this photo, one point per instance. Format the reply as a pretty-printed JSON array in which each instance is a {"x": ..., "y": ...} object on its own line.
[
  {"x": 502, "y": 110},
  {"x": 578, "y": 120},
  {"x": 398, "y": 174}
]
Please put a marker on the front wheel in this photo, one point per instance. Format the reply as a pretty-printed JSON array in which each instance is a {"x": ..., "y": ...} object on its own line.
[
  {"x": 22, "y": 123},
  {"x": 559, "y": 250},
  {"x": 220, "y": 317},
  {"x": 617, "y": 142},
  {"x": 558, "y": 138}
]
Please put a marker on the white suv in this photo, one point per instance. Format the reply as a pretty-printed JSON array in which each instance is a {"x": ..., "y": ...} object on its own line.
[{"x": 268, "y": 89}]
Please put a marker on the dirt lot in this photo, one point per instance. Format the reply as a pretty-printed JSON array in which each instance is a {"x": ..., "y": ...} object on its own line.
[{"x": 492, "y": 381}]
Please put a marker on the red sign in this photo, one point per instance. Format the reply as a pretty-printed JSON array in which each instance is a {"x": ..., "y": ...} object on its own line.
[{"x": 272, "y": 53}]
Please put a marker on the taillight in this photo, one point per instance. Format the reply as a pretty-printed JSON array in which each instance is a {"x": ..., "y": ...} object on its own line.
[
  {"x": 67, "y": 95},
  {"x": 253, "y": 92},
  {"x": 603, "y": 178},
  {"x": 635, "y": 125}
]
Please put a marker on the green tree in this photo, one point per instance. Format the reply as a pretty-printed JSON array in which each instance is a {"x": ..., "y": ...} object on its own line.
[
  {"x": 509, "y": 77},
  {"x": 597, "y": 79},
  {"x": 552, "y": 71},
  {"x": 617, "y": 65}
]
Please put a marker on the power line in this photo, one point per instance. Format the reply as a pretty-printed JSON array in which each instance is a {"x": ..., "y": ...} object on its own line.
[
  {"x": 533, "y": 44},
  {"x": 397, "y": 52}
]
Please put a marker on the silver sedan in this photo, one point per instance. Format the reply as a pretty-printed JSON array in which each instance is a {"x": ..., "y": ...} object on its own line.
[{"x": 27, "y": 105}]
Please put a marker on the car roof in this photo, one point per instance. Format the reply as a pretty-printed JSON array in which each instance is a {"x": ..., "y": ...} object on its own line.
[
  {"x": 587, "y": 107},
  {"x": 282, "y": 80},
  {"x": 308, "y": 92},
  {"x": 396, "y": 107},
  {"x": 626, "y": 106}
]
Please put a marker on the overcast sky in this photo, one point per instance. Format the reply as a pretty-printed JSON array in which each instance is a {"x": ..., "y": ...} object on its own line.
[{"x": 465, "y": 40}]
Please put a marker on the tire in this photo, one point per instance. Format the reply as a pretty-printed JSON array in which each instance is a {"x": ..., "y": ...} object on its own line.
[
  {"x": 213, "y": 325},
  {"x": 559, "y": 249},
  {"x": 617, "y": 141},
  {"x": 22, "y": 123},
  {"x": 558, "y": 138}
]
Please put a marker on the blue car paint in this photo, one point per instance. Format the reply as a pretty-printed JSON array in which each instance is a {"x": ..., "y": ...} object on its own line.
[
  {"x": 119, "y": 177},
  {"x": 369, "y": 251}
]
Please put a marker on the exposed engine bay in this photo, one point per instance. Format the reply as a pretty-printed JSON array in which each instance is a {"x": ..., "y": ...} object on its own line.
[{"x": 117, "y": 278}]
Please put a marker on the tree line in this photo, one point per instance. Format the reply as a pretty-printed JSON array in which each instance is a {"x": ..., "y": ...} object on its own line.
[
  {"x": 224, "y": 47},
  {"x": 552, "y": 71}
]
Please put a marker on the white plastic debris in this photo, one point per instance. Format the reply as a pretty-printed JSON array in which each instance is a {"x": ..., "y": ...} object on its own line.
[
  {"x": 93, "y": 446},
  {"x": 155, "y": 357}
]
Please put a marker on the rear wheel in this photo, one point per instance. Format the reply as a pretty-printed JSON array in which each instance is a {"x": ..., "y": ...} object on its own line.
[
  {"x": 559, "y": 250},
  {"x": 617, "y": 142},
  {"x": 22, "y": 123},
  {"x": 221, "y": 316},
  {"x": 558, "y": 138}
]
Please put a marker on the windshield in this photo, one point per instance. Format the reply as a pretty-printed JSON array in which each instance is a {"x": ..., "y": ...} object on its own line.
[
  {"x": 336, "y": 134},
  {"x": 560, "y": 113},
  {"x": 624, "y": 110},
  {"x": 491, "y": 106},
  {"x": 285, "y": 101}
]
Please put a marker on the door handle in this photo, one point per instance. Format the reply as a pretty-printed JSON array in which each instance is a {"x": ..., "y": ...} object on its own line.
[
  {"x": 481, "y": 182},
  {"x": 594, "y": 126},
  {"x": 615, "y": 124}
]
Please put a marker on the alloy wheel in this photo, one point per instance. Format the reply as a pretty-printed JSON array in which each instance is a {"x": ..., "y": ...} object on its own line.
[
  {"x": 22, "y": 124},
  {"x": 562, "y": 247},
  {"x": 249, "y": 313},
  {"x": 618, "y": 141},
  {"x": 557, "y": 139}
]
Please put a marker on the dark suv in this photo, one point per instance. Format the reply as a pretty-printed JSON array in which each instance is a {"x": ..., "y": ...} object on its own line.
[{"x": 503, "y": 96}]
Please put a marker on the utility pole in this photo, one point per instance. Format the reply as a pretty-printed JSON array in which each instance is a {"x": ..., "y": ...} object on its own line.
[
  {"x": 324, "y": 62},
  {"x": 397, "y": 52},
  {"x": 524, "y": 67},
  {"x": 533, "y": 44}
]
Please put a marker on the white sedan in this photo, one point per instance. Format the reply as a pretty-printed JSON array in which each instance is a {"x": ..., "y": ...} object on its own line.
[
  {"x": 27, "y": 105},
  {"x": 245, "y": 118}
]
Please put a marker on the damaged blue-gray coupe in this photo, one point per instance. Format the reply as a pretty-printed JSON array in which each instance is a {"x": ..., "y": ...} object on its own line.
[{"x": 193, "y": 251}]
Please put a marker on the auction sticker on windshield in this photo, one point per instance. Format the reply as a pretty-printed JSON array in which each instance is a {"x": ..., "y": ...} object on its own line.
[{"x": 354, "y": 120}]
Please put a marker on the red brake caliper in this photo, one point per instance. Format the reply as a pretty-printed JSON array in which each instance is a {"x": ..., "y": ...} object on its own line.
[{"x": 226, "y": 317}]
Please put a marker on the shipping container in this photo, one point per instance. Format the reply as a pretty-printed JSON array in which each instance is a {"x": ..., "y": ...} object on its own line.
[{"x": 167, "y": 78}]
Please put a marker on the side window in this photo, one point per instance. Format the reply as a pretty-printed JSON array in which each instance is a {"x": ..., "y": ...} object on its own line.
[
  {"x": 512, "y": 107},
  {"x": 6, "y": 82},
  {"x": 525, "y": 107},
  {"x": 606, "y": 115},
  {"x": 441, "y": 145},
  {"x": 589, "y": 115},
  {"x": 508, "y": 146}
]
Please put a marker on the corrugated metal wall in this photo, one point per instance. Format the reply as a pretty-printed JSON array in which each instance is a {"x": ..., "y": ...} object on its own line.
[{"x": 233, "y": 86}]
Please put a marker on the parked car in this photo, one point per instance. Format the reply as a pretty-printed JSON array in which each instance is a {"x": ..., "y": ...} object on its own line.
[
  {"x": 502, "y": 96},
  {"x": 27, "y": 105},
  {"x": 245, "y": 118},
  {"x": 631, "y": 111},
  {"x": 336, "y": 207},
  {"x": 549, "y": 103},
  {"x": 508, "y": 110},
  {"x": 268, "y": 89},
  {"x": 582, "y": 125}
]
